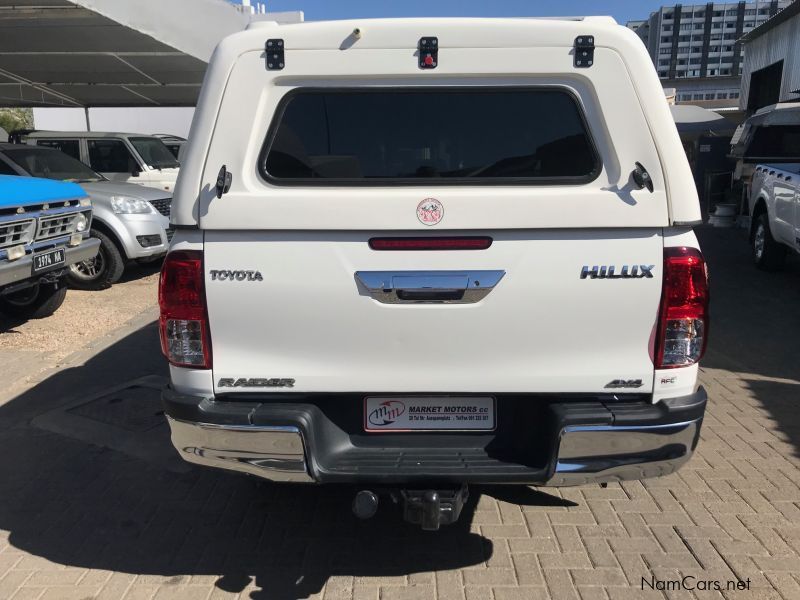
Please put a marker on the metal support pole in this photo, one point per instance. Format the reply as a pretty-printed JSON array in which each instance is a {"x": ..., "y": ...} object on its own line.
[{"x": 86, "y": 114}]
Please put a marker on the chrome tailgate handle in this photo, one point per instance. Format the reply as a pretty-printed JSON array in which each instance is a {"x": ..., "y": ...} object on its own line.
[{"x": 442, "y": 287}]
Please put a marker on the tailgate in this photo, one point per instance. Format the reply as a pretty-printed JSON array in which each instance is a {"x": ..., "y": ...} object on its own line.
[{"x": 541, "y": 328}]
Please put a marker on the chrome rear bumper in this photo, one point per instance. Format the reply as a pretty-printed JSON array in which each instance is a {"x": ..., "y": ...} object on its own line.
[
  {"x": 602, "y": 453},
  {"x": 293, "y": 449},
  {"x": 272, "y": 452}
]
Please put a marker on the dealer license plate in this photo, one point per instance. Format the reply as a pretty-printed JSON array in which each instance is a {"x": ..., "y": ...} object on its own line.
[
  {"x": 48, "y": 260},
  {"x": 429, "y": 413}
]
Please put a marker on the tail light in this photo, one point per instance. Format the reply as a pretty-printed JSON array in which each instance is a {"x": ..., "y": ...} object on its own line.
[
  {"x": 183, "y": 326},
  {"x": 683, "y": 318}
]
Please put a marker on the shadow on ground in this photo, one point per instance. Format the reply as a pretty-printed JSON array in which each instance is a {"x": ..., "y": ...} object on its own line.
[
  {"x": 82, "y": 505},
  {"x": 755, "y": 324},
  {"x": 136, "y": 271},
  {"x": 755, "y": 315}
]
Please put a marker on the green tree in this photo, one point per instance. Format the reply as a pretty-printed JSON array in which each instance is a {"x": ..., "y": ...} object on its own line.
[{"x": 16, "y": 118}]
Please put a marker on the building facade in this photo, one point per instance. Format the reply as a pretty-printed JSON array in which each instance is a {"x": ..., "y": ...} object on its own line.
[
  {"x": 251, "y": 6},
  {"x": 696, "y": 48},
  {"x": 771, "y": 71}
]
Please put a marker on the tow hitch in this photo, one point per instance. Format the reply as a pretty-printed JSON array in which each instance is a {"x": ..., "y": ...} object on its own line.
[{"x": 428, "y": 508}]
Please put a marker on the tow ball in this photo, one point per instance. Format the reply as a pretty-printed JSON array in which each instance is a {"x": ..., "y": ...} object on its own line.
[{"x": 430, "y": 508}]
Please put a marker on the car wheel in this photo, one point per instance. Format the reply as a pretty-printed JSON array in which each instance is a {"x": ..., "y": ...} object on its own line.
[
  {"x": 36, "y": 302},
  {"x": 100, "y": 272},
  {"x": 767, "y": 253}
]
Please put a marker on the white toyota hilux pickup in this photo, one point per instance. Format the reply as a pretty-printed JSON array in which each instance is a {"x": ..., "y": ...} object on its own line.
[
  {"x": 418, "y": 254},
  {"x": 775, "y": 212}
]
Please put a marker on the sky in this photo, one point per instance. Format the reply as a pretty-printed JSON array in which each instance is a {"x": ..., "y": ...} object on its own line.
[{"x": 316, "y": 10}]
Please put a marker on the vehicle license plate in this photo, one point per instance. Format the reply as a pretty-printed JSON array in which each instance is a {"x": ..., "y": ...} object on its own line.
[
  {"x": 429, "y": 413},
  {"x": 48, "y": 260}
]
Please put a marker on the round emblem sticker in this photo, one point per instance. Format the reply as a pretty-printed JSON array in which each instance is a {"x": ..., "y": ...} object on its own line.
[{"x": 430, "y": 211}]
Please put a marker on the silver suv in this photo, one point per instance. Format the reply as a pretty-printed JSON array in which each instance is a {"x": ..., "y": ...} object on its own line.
[{"x": 131, "y": 221}]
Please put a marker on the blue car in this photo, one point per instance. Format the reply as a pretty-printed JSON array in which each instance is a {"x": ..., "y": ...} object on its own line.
[{"x": 44, "y": 228}]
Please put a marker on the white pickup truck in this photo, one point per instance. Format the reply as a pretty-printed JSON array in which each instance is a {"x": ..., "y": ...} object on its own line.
[
  {"x": 775, "y": 212},
  {"x": 424, "y": 253}
]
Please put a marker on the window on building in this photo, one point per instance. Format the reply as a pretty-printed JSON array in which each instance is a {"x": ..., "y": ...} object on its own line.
[
  {"x": 716, "y": 26},
  {"x": 667, "y": 28},
  {"x": 763, "y": 11},
  {"x": 697, "y": 48},
  {"x": 666, "y": 39},
  {"x": 712, "y": 72},
  {"x": 731, "y": 12},
  {"x": 713, "y": 48},
  {"x": 722, "y": 95},
  {"x": 664, "y": 62},
  {"x": 665, "y": 51},
  {"x": 693, "y": 73},
  {"x": 734, "y": 95},
  {"x": 719, "y": 13},
  {"x": 663, "y": 74},
  {"x": 730, "y": 25},
  {"x": 686, "y": 15},
  {"x": 749, "y": 12},
  {"x": 724, "y": 72},
  {"x": 684, "y": 38},
  {"x": 668, "y": 15},
  {"x": 709, "y": 96},
  {"x": 686, "y": 26},
  {"x": 697, "y": 96},
  {"x": 681, "y": 62},
  {"x": 729, "y": 36},
  {"x": 699, "y": 14},
  {"x": 716, "y": 37},
  {"x": 694, "y": 61},
  {"x": 727, "y": 48}
]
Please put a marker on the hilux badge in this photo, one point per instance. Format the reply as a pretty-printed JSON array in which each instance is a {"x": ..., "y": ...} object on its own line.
[{"x": 430, "y": 211}]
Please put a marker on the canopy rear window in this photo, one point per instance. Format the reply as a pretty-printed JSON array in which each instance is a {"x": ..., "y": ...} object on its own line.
[
  {"x": 777, "y": 141},
  {"x": 427, "y": 136}
]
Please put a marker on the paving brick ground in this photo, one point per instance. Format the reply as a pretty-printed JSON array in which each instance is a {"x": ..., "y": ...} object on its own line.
[{"x": 78, "y": 521}]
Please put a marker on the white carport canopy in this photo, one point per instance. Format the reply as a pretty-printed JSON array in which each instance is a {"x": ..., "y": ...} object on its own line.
[{"x": 85, "y": 53}]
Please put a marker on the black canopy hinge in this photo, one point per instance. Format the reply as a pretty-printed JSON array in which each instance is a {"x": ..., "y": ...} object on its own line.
[
  {"x": 224, "y": 181},
  {"x": 428, "y": 52},
  {"x": 584, "y": 51},
  {"x": 274, "y": 52},
  {"x": 642, "y": 178}
]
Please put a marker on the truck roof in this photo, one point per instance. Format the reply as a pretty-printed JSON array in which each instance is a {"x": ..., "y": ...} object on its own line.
[
  {"x": 462, "y": 32},
  {"x": 22, "y": 191}
]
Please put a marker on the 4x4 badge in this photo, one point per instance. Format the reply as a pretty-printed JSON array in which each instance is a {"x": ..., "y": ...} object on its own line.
[{"x": 430, "y": 211}]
